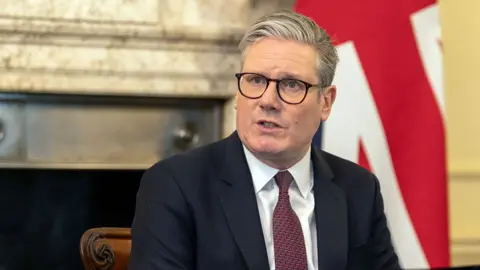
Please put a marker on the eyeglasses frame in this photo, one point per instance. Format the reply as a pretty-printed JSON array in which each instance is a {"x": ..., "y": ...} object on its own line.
[{"x": 277, "y": 86}]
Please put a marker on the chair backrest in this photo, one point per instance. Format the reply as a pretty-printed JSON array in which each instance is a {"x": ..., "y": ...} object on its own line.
[{"x": 106, "y": 248}]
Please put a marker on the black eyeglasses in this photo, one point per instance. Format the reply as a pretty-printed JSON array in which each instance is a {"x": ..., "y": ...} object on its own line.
[{"x": 291, "y": 91}]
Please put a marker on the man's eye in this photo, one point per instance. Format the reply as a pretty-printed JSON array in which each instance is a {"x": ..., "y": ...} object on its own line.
[
  {"x": 256, "y": 79},
  {"x": 290, "y": 83}
]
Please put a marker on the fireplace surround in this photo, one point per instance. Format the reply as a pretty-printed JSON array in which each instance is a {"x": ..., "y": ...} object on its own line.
[{"x": 92, "y": 93}]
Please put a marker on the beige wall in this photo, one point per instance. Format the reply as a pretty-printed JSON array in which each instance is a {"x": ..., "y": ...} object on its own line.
[{"x": 460, "y": 21}]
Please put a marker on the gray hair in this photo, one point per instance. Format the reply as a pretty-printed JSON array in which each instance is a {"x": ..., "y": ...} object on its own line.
[{"x": 290, "y": 25}]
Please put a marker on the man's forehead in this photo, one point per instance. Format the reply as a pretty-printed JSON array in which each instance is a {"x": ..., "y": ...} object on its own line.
[
  {"x": 273, "y": 49},
  {"x": 278, "y": 65}
]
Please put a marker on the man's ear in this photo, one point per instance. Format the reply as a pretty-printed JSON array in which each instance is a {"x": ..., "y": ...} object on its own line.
[{"x": 328, "y": 98}]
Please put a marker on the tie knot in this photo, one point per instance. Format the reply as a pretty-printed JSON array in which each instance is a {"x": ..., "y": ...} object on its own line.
[{"x": 283, "y": 179}]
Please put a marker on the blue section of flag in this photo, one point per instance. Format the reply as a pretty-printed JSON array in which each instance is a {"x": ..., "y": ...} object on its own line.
[{"x": 317, "y": 138}]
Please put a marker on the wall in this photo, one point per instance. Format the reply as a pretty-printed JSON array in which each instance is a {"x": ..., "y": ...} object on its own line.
[{"x": 461, "y": 43}]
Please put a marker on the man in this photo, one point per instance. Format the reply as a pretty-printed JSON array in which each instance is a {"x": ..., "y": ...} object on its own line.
[{"x": 264, "y": 198}]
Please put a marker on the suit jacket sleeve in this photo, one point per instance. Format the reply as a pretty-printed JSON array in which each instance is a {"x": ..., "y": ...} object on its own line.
[
  {"x": 162, "y": 231},
  {"x": 382, "y": 252}
]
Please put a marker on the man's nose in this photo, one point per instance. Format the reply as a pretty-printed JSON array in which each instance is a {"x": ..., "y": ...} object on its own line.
[{"x": 270, "y": 99}]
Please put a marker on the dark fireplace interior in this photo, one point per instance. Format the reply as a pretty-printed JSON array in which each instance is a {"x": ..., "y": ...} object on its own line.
[{"x": 45, "y": 212}]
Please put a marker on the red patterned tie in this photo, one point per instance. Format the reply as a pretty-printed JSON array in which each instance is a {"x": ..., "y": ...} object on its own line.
[{"x": 289, "y": 244}]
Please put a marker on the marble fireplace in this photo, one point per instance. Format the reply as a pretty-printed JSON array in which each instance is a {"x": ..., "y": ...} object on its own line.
[{"x": 92, "y": 93}]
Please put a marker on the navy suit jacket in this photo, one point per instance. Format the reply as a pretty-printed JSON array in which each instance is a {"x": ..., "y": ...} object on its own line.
[{"x": 198, "y": 210}]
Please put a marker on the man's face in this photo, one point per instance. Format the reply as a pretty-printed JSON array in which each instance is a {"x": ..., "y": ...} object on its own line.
[{"x": 289, "y": 139}]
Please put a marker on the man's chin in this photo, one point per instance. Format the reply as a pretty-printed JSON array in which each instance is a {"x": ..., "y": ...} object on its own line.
[{"x": 265, "y": 148}]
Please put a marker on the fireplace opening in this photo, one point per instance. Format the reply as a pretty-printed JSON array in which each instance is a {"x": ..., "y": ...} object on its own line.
[{"x": 45, "y": 212}]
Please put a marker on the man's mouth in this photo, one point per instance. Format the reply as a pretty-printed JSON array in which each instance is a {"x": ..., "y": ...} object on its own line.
[{"x": 268, "y": 124}]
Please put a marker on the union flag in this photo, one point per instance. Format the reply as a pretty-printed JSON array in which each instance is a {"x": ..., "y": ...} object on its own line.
[{"x": 389, "y": 113}]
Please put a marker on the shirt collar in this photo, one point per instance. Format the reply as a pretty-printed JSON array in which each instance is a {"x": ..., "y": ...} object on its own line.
[{"x": 262, "y": 173}]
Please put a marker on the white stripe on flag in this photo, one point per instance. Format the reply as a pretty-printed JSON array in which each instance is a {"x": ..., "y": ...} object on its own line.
[{"x": 426, "y": 26}]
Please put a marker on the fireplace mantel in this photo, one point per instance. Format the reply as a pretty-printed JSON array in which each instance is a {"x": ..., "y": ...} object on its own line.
[{"x": 160, "y": 48}]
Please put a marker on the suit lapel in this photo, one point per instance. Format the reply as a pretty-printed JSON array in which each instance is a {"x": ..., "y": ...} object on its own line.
[
  {"x": 238, "y": 200},
  {"x": 330, "y": 215}
]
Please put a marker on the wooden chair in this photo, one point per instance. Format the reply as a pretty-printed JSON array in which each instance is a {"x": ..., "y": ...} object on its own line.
[{"x": 106, "y": 248}]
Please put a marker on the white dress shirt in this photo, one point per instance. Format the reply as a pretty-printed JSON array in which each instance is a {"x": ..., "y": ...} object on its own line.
[{"x": 301, "y": 199}]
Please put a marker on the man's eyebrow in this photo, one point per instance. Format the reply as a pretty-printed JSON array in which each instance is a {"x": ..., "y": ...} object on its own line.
[
  {"x": 281, "y": 75},
  {"x": 256, "y": 72}
]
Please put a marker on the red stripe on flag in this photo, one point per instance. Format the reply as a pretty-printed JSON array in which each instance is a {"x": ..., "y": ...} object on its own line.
[
  {"x": 362, "y": 157},
  {"x": 385, "y": 42}
]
